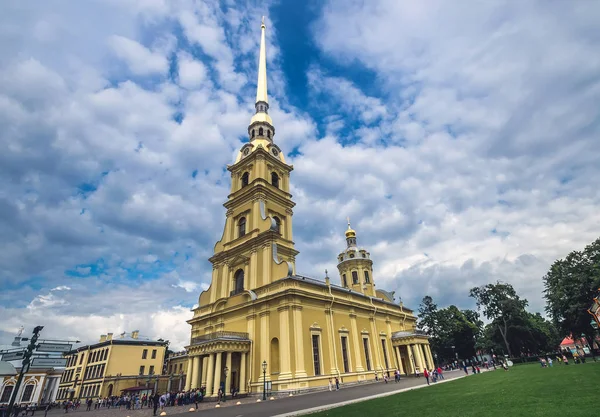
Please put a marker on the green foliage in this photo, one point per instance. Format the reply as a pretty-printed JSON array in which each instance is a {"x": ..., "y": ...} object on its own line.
[
  {"x": 449, "y": 327},
  {"x": 570, "y": 285},
  {"x": 500, "y": 304}
]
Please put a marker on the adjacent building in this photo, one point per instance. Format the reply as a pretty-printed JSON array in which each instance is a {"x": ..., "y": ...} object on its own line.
[
  {"x": 259, "y": 315},
  {"x": 39, "y": 386},
  {"x": 40, "y": 383},
  {"x": 111, "y": 366}
]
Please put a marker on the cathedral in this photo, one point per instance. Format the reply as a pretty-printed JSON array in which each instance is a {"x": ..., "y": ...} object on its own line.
[{"x": 261, "y": 324}]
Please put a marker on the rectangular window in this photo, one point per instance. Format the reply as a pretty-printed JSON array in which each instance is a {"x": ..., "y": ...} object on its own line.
[
  {"x": 345, "y": 353},
  {"x": 145, "y": 354},
  {"x": 367, "y": 277},
  {"x": 316, "y": 354},
  {"x": 8, "y": 389},
  {"x": 385, "y": 358},
  {"x": 81, "y": 358},
  {"x": 142, "y": 368},
  {"x": 170, "y": 369},
  {"x": 153, "y": 353},
  {"x": 354, "y": 277},
  {"x": 180, "y": 368},
  {"x": 151, "y": 370},
  {"x": 367, "y": 358}
]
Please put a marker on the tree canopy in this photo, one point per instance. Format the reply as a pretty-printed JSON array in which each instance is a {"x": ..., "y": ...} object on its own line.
[{"x": 570, "y": 285}]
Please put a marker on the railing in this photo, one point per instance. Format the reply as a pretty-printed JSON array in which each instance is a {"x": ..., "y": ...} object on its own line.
[{"x": 219, "y": 335}]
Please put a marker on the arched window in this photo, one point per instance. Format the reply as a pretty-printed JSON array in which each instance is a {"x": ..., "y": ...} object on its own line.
[
  {"x": 239, "y": 281},
  {"x": 268, "y": 133},
  {"x": 27, "y": 392},
  {"x": 241, "y": 227},
  {"x": 274, "y": 356},
  {"x": 261, "y": 131},
  {"x": 245, "y": 177},
  {"x": 367, "y": 281},
  {"x": 344, "y": 283},
  {"x": 277, "y": 224},
  {"x": 274, "y": 179},
  {"x": 7, "y": 393},
  {"x": 354, "y": 277},
  {"x": 253, "y": 132}
]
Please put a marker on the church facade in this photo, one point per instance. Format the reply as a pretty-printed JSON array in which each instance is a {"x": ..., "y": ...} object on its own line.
[{"x": 259, "y": 322}]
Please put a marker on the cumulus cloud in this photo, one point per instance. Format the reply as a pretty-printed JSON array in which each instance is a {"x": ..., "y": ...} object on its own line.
[
  {"x": 465, "y": 156},
  {"x": 139, "y": 59}
]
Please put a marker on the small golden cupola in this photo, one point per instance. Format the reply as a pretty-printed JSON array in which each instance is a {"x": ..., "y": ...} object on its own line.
[{"x": 355, "y": 266}]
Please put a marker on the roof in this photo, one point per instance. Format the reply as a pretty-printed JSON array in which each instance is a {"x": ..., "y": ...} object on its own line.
[
  {"x": 339, "y": 288},
  {"x": 399, "y": 335},
  {"x": 122, "y": 341},
  {"x": 7, "y": 369}
]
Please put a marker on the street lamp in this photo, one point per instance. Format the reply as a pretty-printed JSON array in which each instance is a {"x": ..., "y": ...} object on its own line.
[
  {"x": 436, "y": 359},
  {"x": 264, "y": 366}
]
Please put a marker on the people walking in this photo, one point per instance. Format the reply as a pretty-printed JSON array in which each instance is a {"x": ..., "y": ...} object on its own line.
[{"x": 426, "y": 375}]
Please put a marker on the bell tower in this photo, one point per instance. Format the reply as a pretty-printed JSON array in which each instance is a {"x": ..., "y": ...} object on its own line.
[
  {"x": 257, "y": 246},
  {"x": 355, "y": 266}
]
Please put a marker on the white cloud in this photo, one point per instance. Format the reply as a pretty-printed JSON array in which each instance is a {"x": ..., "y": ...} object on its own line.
[
  {"x": 466, "y": 159},
  {"x": 139, "y": 59}
]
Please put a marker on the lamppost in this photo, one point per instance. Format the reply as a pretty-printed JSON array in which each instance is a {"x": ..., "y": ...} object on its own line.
[
  {"x": 436, "y": 359},
  {"x": 225, "y": 370},
  {"x": 264, "y": 366}
]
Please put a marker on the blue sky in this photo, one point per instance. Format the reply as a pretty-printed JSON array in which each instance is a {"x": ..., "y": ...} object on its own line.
[{"x": 461, "y": 141}]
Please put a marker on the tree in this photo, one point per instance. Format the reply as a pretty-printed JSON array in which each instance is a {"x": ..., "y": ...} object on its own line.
[
  {"x": 449, "y": 327},
  {"x": 570, "y": 286},
  {"x": 501, "y": 305},
  {"x": 427, "y": 315}
]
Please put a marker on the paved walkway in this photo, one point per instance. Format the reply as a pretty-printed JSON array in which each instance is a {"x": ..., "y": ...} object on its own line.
[{"x": 280, "y": 407}]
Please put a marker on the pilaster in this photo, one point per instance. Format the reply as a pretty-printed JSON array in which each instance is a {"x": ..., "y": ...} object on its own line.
[
  {"x": 300, "y": 371},
  {"x": 284, "y": 342},
  {"x": 357, "y": 340}
]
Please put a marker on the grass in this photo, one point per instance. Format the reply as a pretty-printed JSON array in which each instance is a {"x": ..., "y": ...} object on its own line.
[{"x": 527, "y": 390}]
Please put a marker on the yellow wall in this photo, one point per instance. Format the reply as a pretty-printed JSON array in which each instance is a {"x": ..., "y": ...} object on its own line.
[{"x": 121, "y": 359}]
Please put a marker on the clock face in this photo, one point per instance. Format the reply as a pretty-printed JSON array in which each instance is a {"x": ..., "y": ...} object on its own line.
[
  {"x": 246, "y": 151},
  {"x": 275, "y": 152}
]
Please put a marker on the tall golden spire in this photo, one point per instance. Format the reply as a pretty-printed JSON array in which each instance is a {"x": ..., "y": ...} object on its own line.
[
  {"x": 261, "y": 87},
  {"x": 261, "y": 125}
]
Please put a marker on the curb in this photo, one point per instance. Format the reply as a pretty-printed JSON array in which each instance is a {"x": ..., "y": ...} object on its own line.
[{"x": 358, "y": 400}]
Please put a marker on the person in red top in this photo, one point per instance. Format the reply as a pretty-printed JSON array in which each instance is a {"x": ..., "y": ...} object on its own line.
[
  {"x": 426, "y": 375},
  {"x": 440, "y": 374}
]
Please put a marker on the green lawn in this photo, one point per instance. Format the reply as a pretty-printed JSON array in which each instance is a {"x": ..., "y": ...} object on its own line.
[{"x": 527, "y": 390}]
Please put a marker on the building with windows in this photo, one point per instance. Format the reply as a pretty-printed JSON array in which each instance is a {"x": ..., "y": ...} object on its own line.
[
  {"x": 112, "y": 365},
  {"x": 258, "y": 312},
  {"x": 39, "y": 386},
  {"x": 40, "y": 383}
]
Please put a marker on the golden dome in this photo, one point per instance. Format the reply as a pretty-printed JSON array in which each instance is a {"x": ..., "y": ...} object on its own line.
[{"x": 350, "y": 232}]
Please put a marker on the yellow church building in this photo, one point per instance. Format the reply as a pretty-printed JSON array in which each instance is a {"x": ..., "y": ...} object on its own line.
[{"x": 259, "y": 315}]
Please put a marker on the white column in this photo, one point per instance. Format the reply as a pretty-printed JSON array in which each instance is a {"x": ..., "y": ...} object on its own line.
[
  {"x": 218, "y": 372},
  {"x": 188, "y": 377},
  {"x": 204, "y": 370},
  {"x": 228, "y": 376},
  {"x": 210, "y": 375},
  {"x": 194, "y": 373},
  {"x": 198, "y": 373},
  {"x": 243, "y": 382}
]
